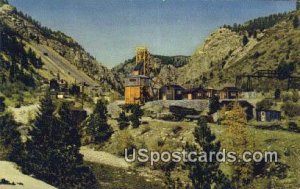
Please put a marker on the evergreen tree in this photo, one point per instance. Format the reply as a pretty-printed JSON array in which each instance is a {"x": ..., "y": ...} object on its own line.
[
  {"x": 74, "y": 90},
  {"x": 298, "y": 5},
  {"x": 54, "y": 85},
  {"x": 97, "y": 126},
  {"x": 24, "y": 62},
  {"x": 123, "y": 121},
  {"x": 12, "y": 71},
  {"x": 136, "y": 115},
  {"x": 277, "y": 94},
  {"x": 2, "y": 105},
  {"x": 214, "y": 104},
  {"x": 237, "y": 140},
  {"x": 10, "y": 138},
  {"x": 206, "y": 174},
  {"x": 53, "y": 150},
  {"x": 71, "y": 135},
  {"x": 296, "y": 22},
  {"x": 245, "y": 40},
  {"x": 285, "y": 70}
]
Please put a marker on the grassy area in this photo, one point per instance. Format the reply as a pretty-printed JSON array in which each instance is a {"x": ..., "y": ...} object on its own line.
[
  {"x": 113, "y": 178},
  {"x": 285, "y": 143}
]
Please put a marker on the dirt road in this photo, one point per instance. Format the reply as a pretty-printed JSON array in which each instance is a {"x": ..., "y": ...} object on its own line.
[{"x": 103, "y": 158}]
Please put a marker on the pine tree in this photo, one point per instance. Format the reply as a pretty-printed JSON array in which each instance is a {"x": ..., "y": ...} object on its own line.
[
  {"x": 12, "y": 71},
  {"x": 123, "y": 121},
  {"x": 97, "y": 126},
  {"x": 2, "y": 104},
  {"x": 10, "y": 138},
  {"x": 296, "y": 22},
  {"x": 205, "y": 174},
  {"x": 78, "y": 176},
  {"x": 71, "y": 136},
  {"x": 53, "y": 150},
  {"x": 277, "y": 94},
  {"x": 24, "y": 62},
  {"x": 245, "y": 40},
  {"x": 237, "y": 140},
  {"x": 136, "y": 115},
  {"x": 214, "y": 104}
]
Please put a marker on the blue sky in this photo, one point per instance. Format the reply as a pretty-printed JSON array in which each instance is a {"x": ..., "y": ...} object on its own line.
[{"x": 111, "y": 29}]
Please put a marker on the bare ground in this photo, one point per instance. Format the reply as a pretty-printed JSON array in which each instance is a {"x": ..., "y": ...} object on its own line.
[
  {"x": 10, "y": 172},
  {"x": 102, "y": 157}
]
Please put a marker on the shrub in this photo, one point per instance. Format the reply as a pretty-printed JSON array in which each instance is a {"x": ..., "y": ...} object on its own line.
[
  {"x": 124, "y": 141},
  {"x": 286, "y": 97},
  {"x": 137, "y": 113},
  {"x": 145, "y": 130},
  {"x": 176, "y": 129},
  {"x": 293, "y": 126},
  {"x": 291, "y": 109},
  {"x": 295, "y": 96},
  {"x": 123, "y": 121}
]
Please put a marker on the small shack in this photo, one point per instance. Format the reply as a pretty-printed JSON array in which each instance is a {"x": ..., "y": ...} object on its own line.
[
  {"x": 268, "y": 115},
  {"x": 171, "y": 92},
  {"x": 195, "y": 93},
  {"x": 229, "y": 93},
  {"x": 210, "y": 92}
]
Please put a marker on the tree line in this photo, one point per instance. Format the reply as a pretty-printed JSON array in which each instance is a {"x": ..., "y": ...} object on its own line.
[{"x": 258, "y": 24}]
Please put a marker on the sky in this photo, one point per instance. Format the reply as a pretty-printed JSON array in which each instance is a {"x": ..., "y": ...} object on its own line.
[{"x": 110, "y": 30}]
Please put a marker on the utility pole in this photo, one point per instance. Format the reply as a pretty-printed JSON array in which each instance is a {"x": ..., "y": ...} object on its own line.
[
  {"x": 82, "y": 96},
  {"x": 1, "y": 43}
]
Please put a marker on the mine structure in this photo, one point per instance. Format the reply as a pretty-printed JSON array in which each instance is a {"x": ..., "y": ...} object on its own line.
[
  {"x": 293, "y": 82},
  {"x": 137, "y": 84}
]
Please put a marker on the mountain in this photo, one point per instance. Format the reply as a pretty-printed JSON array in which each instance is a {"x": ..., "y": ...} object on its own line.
[
  {"x": 60, "y": 54},
  {"x": 165, "y": 66},
  {"x": 260, "y": 44}
]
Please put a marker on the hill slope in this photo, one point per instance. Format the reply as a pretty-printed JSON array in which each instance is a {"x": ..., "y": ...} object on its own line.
[
  {"x": 223, "y": 55},
  {"x": 59, "y": 52}
]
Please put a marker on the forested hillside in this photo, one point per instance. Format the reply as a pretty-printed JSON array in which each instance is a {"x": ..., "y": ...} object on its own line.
[{"x": 59, "y": 53}]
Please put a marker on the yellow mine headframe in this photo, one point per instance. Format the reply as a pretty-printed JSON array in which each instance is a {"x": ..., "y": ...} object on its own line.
[
  {"x": 138, "y": 83},
  {"x": 142, "y": 60}
]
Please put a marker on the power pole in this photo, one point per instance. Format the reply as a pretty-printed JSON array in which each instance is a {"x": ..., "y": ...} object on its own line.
[
  {"x": 82, "y": 96},
  {"x": 1, "y": 44}
]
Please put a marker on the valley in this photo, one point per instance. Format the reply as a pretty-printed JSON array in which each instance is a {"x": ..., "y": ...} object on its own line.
[{"x": 66, "y": 119}]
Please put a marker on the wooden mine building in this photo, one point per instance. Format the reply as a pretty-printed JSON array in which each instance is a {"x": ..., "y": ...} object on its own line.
[
  {"x": 195, "y": 93},
  {"x": 137, "y": 84},
  {"x": 229, "y": 93},
  {"x": 171, "y": 92}
]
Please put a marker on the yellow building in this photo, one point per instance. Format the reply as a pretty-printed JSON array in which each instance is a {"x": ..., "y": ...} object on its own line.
[
  {"x": 136, "y": 89},
  {"x": 138, "y": 83}
]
